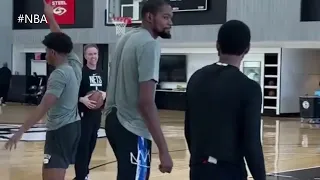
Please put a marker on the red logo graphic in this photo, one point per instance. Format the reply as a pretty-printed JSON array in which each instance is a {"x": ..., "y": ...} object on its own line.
[
  {"x": 63, "y": 11},
  {"x": 37, "y": 56}
]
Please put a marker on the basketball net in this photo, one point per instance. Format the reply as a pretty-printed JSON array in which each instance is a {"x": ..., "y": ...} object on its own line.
[{"x": 121, "y": 24}]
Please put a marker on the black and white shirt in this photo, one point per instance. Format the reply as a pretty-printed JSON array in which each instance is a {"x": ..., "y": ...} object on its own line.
[{"x": 91, "y": 80}]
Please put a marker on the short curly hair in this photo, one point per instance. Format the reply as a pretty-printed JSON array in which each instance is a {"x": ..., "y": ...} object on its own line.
[
  {"x": 152, "y": 6},
  {"x": 234, "y": 38},
  {"x": 59, "y": 42}
]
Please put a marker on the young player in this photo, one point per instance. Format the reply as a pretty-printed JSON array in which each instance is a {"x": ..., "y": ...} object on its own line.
[
  {"x": 60, "y": 103},
  {"x": 223, "y": 113}
]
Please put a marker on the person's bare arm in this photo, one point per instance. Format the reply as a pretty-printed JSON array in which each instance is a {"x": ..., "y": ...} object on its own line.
[
  {"x": 48, "y": 11},
  {"x": 47, "y": 102},
  {"x": 149, "y": 113},
  {"x": 148, "y": 68},
  {"x": 73, "y": 59}
]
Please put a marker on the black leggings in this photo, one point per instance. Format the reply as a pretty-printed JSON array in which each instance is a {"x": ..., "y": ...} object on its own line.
[
  {"x": 90, "y": 124},
  {"x": 133, "y": 152},
  {"x": 4, "y": 90},
  {"x": 217, "y": 172}
]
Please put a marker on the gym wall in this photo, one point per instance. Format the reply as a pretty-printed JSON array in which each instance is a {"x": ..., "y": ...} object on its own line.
[
  {"x": 197, "y": 61},
  {"x": 19, "y": 63},
  {"x": 22, "y": 65},
  {"x": 270, "y": 20},
  {"x": 6, "y": 32},
  {"x": 300, "y": 75},
  {"x": 198, "y": 57}
]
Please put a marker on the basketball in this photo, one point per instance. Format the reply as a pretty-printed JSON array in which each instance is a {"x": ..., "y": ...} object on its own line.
[{"x": 97, "y": 97}]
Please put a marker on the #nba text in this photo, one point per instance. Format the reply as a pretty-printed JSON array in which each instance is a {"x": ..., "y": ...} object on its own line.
[{"x": 32, "y": 19}]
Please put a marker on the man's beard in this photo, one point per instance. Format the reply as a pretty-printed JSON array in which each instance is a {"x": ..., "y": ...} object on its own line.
[{"x": 165, "y": 35}]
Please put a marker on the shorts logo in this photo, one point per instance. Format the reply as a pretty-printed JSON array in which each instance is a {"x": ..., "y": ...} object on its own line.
[
  {"x": 46, "y": 158},
  {"x": 142, "y": 159}
]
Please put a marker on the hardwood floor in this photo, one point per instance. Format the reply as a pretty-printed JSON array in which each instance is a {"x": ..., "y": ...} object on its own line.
[{"x": 287, "y": 145}]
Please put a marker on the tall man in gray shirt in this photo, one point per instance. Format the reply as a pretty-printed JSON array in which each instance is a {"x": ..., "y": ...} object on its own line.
[
  {"x": 60, "y": 102},
  {"x": 132, "y": 118}
]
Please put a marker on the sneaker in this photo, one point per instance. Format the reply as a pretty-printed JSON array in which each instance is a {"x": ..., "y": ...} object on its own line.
[{"x": 86, "y": 178}]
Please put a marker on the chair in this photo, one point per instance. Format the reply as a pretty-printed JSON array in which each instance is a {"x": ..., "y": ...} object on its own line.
[{"x": 35, "y": 93}]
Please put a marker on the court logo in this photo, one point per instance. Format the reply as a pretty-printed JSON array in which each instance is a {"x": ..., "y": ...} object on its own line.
[{"x": 305, "y": 104}]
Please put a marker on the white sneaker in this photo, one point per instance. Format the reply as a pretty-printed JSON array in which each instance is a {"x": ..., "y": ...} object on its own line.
[{"x": 87, "y": 177}]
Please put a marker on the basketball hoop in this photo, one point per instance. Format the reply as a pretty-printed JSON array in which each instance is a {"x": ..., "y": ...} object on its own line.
[{"x": 121, "y": 24}]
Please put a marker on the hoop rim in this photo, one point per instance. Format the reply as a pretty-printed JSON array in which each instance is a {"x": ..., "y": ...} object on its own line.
[{"x": 126, "y": 20}]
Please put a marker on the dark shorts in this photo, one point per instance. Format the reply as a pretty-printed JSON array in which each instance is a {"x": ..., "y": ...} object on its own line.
[
  {"x": 61, "y": 146},
  {"x": 221, "y": 171},
  {"x": 133, "y": 152}
]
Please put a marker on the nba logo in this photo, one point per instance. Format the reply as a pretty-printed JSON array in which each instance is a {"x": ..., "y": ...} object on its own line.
[{"x": 63, "y": 11}]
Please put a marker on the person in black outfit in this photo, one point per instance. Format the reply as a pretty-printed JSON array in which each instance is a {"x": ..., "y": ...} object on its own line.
[
  {"x": 223, "y": 113},
  {"x": 90, "y": 117},
  {"x": 5, "y": 80}
]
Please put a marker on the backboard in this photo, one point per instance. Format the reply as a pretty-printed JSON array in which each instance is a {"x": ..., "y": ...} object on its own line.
[
  {"x": 132, "y": 8},
  {"x": 188, "y": 5},
  {"x": 124, "y": 8}
]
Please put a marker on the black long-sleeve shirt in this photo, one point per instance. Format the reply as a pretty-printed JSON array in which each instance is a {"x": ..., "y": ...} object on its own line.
[
  {"x": 91, "y": 80},
  {"x": 223, "y": 118},
  {"x": 5, "y": 76}
]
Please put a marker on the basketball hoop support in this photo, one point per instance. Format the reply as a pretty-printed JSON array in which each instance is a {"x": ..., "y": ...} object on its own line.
[{"x": 121, "y": 24}]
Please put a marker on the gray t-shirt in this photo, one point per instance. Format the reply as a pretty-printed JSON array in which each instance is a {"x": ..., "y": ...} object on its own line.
[
  {"x": 136, "y": 59},
  {"x": 64, "y": 83}
]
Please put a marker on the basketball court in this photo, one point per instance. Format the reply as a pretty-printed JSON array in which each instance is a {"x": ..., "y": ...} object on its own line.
[{"x": 292, "y": 149}]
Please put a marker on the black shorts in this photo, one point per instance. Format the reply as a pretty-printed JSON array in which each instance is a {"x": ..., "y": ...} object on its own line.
[
  {"x": 61, "y": 146},
  {"x": 222, "y": 171},
  {"x": 133, "y": 152}
]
